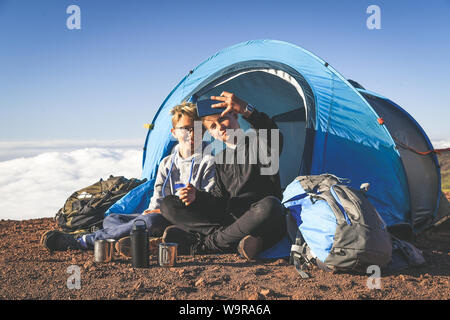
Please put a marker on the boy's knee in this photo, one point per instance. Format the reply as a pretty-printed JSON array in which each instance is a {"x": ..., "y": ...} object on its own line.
[
  {"x": 268, "y": 207},
  {"x": 169, "y": 205},
  {"x": 156, "y": 223}
]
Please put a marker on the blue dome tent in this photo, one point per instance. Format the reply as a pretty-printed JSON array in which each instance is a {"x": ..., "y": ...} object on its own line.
[{"x": 330, "y": 125}]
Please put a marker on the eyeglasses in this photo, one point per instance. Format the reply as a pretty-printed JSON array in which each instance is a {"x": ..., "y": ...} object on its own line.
[{"x": 186, "y": 129}]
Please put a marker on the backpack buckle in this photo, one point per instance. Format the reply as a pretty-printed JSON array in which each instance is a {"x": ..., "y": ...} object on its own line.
[{"x": 300, "y": 259}]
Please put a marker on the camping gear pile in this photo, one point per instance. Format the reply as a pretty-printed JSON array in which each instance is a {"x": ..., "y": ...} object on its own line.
[
  {"x": 84, "y": 210},
  {"x": 330, "y": 125}
]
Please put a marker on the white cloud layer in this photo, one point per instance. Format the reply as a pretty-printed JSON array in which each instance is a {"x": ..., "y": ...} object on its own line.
[
  {"x": 441, "y": 144},
  {"x": 38, "y": 186},
  {"x": 35, "y": 183},
  {"x": 16, "y": 149}
]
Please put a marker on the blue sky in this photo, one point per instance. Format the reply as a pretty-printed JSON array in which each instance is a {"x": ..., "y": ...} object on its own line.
[{"x": 108, "y": 79}]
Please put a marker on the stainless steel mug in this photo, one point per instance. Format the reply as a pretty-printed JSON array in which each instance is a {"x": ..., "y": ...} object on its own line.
[
  {"x": 101, "y": 251},
  {"x": 111, "y": 250},
  {"x": 167, "y": 254}
]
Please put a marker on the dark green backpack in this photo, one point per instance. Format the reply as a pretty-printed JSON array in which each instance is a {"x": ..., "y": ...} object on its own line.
[{"x": 84, "y": 210}]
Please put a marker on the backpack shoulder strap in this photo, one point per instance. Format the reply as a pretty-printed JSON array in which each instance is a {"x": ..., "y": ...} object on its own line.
[
  {"x": 301, "y": 256},
  {"x": 319, "y": 183},
  {"x": 300, "y": 259},
  {"x": 339, "y": 212}
]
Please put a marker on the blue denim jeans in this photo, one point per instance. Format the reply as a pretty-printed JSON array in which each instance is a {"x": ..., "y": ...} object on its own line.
[{"x": 117, "y": 226}]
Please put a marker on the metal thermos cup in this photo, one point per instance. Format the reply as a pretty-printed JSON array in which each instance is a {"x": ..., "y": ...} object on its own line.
[
  {"x": 139, "y": 244},
  {"x": 167, "y": 254},
  {"x": 100, "y": 251},
  {"x": 111, "y": 250},
  {"x": 104, "y": 250}
]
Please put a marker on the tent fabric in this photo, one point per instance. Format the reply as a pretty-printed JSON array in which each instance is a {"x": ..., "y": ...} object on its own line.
[
  {"x": 340, "y": 132},
  {"x": 257, "y": 85},
  {"x": 135, "y": 201},
  {"x": 422, "y": 171}
]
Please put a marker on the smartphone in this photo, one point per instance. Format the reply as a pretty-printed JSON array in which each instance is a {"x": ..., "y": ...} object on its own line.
[{"x": 204, "y": 108}]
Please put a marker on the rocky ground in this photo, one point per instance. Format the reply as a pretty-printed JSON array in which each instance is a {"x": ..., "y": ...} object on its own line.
[{"x": 29, "y": 272}]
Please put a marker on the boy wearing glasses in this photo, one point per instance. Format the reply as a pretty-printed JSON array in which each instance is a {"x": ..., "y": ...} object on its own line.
[{"x": 185, "y": 170}]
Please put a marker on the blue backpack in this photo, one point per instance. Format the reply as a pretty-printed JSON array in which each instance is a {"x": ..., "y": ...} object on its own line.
[{"x": 334, "y": 226}]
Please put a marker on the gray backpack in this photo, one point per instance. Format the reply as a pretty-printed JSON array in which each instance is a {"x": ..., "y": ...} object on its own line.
[{"x": 334, "y": 226}]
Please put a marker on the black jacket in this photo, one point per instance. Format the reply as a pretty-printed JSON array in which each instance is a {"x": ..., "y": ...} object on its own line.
[{"x": 240, "y": 183}]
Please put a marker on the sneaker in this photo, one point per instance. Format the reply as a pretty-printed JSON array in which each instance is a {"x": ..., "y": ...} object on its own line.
[
  {"x": 188, "y": 243},
  {"x": 84, "y": 243},
  {"x": 249, "y": 247},
  {"x": 123, "y": 246},
  {"x": 55, "y": 240}
]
